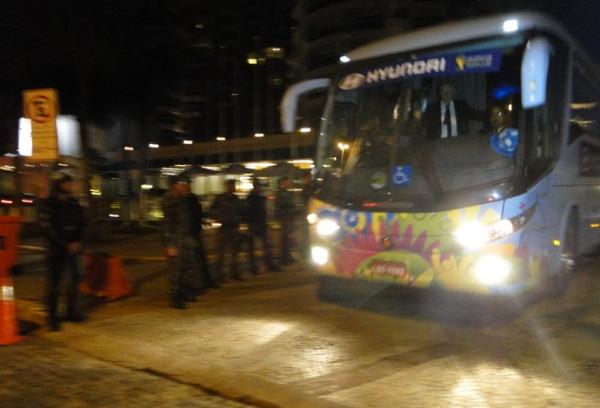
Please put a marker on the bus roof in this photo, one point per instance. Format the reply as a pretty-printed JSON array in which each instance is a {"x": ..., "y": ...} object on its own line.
[{"x": 458, "y": 31}]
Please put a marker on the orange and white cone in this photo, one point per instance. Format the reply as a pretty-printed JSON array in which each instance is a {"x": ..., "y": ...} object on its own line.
[
  {"x": 117, "y": 283},
  {"x": 106, "y": 277},
  {"x": 9, "y": 325}
]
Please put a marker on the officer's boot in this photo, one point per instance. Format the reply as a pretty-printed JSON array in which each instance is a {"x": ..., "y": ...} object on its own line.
[
  {"x": 73, "y": 311},
  {"x": 177, "y": 301},
  {"x": 53, "y": 321},
  {"x": 52, "y": 308}
]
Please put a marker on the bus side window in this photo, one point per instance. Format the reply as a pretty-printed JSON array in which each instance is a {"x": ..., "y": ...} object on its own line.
[
  {"x": 589, "y": 160},
  {"x": 544, "y": 123},
  {"x": 584, "y": 109},
  {"x": 555, "y": 104}
]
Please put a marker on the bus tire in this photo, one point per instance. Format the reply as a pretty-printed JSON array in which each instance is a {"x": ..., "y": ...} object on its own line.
[{"x": 559, "y": 282}]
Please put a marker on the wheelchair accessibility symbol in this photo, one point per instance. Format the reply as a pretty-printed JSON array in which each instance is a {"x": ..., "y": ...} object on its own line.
[{"x": 402, "y": 175}]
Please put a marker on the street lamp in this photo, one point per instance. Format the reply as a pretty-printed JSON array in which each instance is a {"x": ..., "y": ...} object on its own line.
[{"x": 343, "y": 147}]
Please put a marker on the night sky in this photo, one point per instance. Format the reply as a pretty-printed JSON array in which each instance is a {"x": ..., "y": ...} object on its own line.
[
  {"x": 120, "y": 57},
  {"x": 582, "y": 19}
]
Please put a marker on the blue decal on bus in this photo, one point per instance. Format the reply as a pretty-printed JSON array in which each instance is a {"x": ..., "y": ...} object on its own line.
[
  {"x": 449, "y": 64},
  {"x": 505, "y": 143},
  {"x": 402, "y": 175}
]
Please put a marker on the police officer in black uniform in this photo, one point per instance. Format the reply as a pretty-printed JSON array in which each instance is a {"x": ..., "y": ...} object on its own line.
[
  {"x": 227, "y": 210},
  {"x": 196, "y": 217},
  {"x": 307, "y": 190},
  {"x": 256, "y": 216},
  {"x": 286, "y": 211},
  {"x": 181, "y": 242},
  {"x": 61, "y": 221}
]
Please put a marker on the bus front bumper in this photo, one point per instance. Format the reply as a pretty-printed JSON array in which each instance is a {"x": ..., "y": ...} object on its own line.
[{"x": 489, "y": 271}]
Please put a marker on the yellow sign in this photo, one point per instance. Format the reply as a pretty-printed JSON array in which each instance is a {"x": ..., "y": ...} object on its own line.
[
  {"x": 460, "y": 62},
  {"x": 41, "y": 106}
]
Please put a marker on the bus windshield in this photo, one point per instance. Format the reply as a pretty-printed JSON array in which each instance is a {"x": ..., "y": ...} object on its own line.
[{"x": 424, "y": 133}]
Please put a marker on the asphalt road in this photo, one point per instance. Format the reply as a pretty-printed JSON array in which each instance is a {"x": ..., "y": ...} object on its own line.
[{"x": 271, "y": 340}]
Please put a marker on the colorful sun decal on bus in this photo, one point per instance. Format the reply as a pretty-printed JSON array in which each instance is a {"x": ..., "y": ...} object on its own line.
[
  {"x": 419, "y": 250},
  {"x": 376, "y": 256}
]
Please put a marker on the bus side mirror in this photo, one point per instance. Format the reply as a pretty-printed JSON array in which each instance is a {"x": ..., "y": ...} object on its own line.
[
  {"x": 534, "y": 72},
  {"x": 289, "y": 103}
]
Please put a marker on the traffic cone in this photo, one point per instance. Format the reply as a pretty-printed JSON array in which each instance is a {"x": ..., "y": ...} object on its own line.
[
  {"x": 105, "y": 276},
  {"x": 117, "y": 283},
  {"x": 95, "y": 264},
  {"x": 9, "y": 325}
]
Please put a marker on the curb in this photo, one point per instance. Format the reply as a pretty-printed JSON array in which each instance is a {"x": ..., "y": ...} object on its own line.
[
  {"x": 41, "y": 249},
  {"x": 32, "y": 248},
  {"x": 143, "y": 258},
  {"x": 227, "y": 383},
  {"x": 125, "y": 258},
  {"x": 31, "y": 312}
]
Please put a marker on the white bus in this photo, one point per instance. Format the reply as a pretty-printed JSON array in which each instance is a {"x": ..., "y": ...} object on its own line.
[{"x": 494, "y": 191}]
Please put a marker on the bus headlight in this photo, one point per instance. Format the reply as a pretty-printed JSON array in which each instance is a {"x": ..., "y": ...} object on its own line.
[
  {"x": 474, "y": 234},
  {"x": 327, "y": 227},
  {"x": 492, "y": 270},
  {"x": 320, "y": 255},
  {"x": 312, "y": 218}
]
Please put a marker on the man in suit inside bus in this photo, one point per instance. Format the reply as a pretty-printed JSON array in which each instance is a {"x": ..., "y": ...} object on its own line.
[{"x": 449, "y": 117}]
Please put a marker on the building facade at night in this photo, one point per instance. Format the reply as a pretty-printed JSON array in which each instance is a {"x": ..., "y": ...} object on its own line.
[{"x": 234, "y": 72}]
